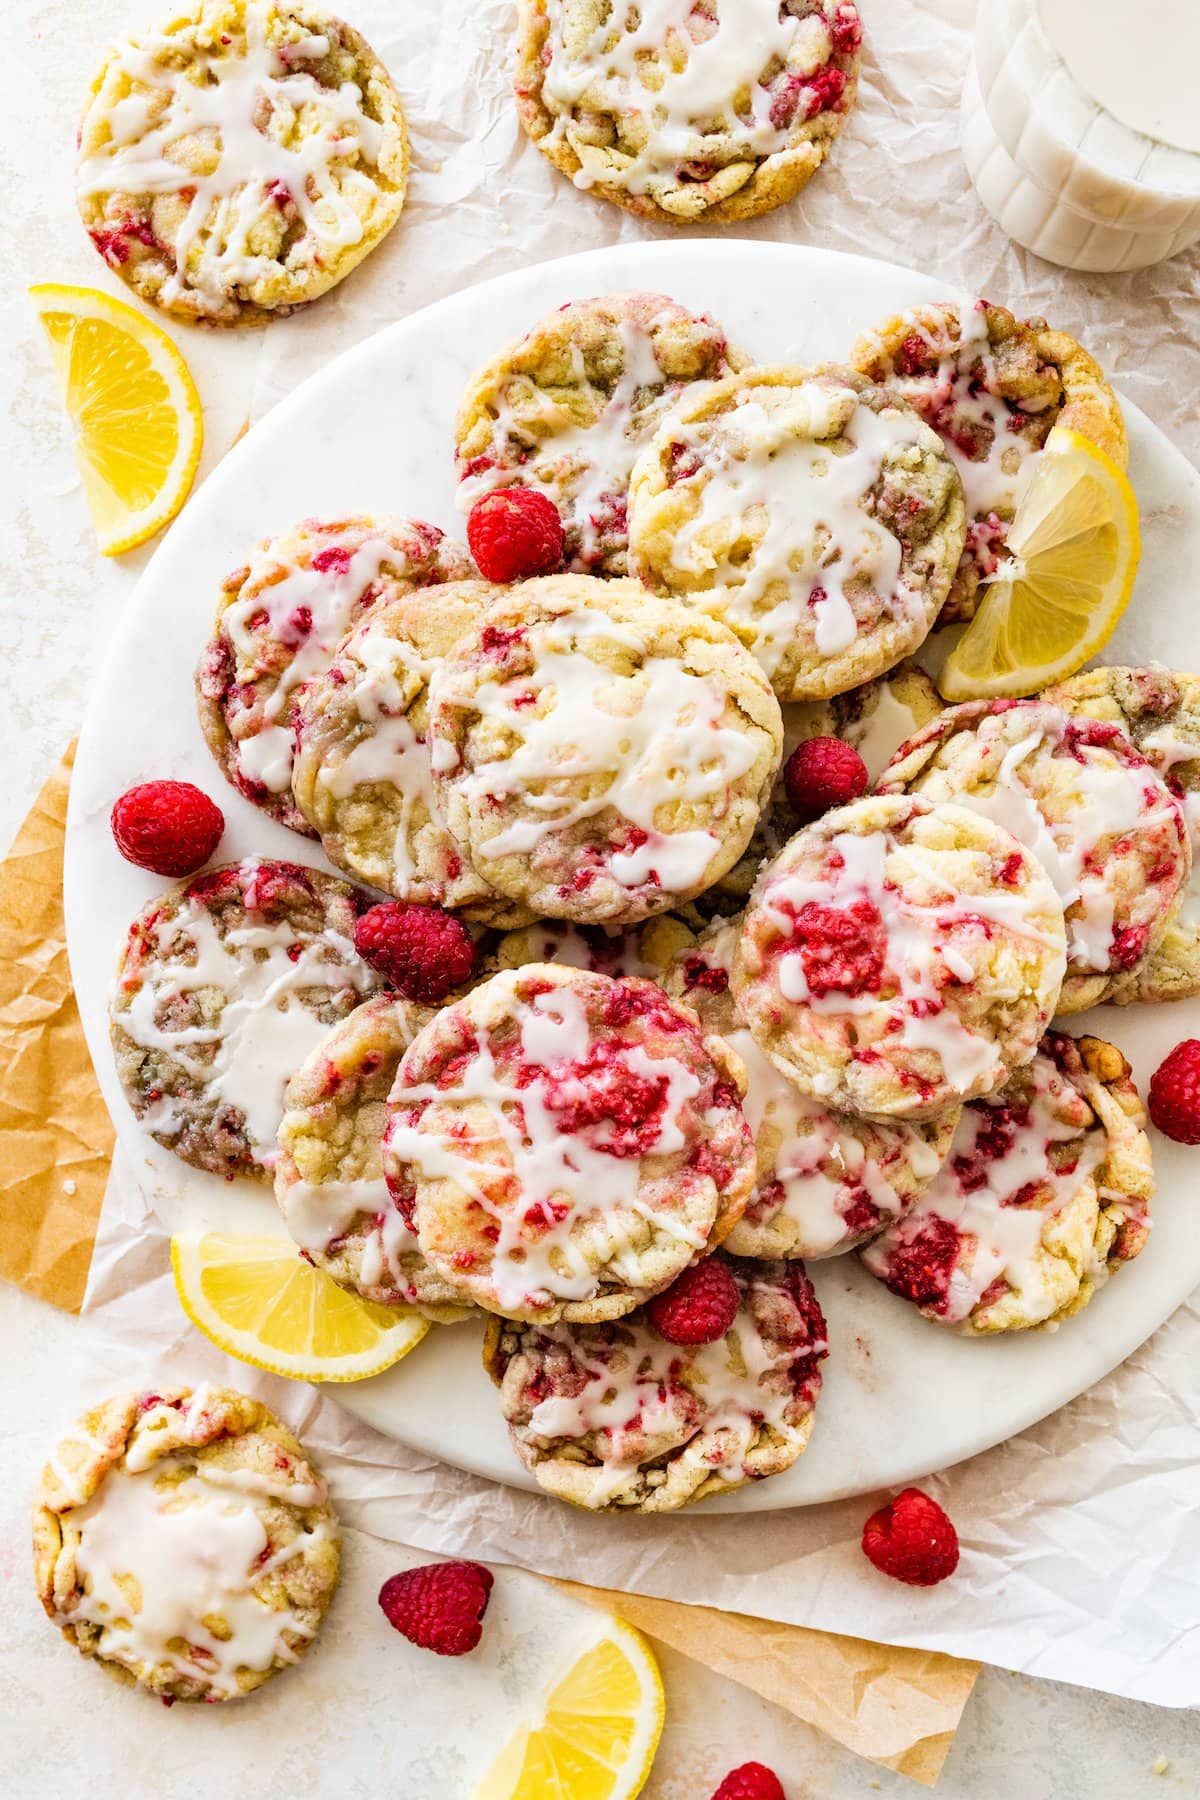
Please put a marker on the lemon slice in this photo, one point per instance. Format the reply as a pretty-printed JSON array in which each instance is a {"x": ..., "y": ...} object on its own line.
[
  {"x": 598, "y": 1730},
  {"x": 134, "y": 406},
  {"x": 258, "y": 1299},
  {"x": 1074, "y": 547}
]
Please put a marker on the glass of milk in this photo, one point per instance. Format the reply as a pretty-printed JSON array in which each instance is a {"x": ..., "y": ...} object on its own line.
[{"x": 1081, "y": 127}]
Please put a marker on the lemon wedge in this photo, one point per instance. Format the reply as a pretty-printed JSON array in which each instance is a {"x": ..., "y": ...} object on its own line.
[
  {"x": 259, "y": 1300},
  {"x": 1074, "y": 547},
  {"x": 597, "y": 1732},
  {"x": 134, "y": 406}
]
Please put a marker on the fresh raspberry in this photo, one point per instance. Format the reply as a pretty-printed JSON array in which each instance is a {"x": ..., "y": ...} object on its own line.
[
  {"x": 439, "y": 1606},
  {"x": 515, "y": 533},
  {"x": 699, "y": 1306},
  {"x": 168, "y": 827},
  {"x": 822, "y": 773},
  {"x": 1174, "y": 1100},
  {"x": 912, "y": 1540},
  {"x": 752, "y": 1781},
  {"x": 421, "y": 951}
]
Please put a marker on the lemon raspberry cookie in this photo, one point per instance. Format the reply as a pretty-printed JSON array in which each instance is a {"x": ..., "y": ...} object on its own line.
[
  {"x": 565, "y": 1143},
  {"x": 329, "y": 1178},
  {"x": 362, "y": 774},
  {"x": 225, "y": 984},
  {"x": 185, "y": 1541},
  {"x": 281, "y": 616},
  {"x": 992, "y": 386},
  {"x": 1046, "y": 1192},
  {"x": 240, "y": 159},
  {"x": 1106, "y": 828},
  {"x": 687, "y": 110},
  {"x": 567, "y": 409},
  {"x": 600, "y": 754},
  {"x": 809, "y": 510},
  {"x": 824, "y": 1181},
  {"x": 612, "y": 1417},
  {"x": 646, "y": 950},
  {"x": 896, "y": 959}
]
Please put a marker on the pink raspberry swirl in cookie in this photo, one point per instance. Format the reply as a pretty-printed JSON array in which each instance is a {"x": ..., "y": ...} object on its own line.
[
  {"x": 565, "y": 1143},
  {"x": 613, "y": 1417}
]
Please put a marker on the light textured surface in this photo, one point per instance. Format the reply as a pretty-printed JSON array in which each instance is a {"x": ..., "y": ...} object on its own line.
[{"x": 369, "y": 1715}]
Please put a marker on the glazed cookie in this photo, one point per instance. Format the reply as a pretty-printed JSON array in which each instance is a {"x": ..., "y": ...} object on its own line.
[
  {"x": 241, "y": 159},
  {"x": 601, "y": 755},
  {"x": 896, "y": 958},
  {"x": 646, "y": 950},
  {"x": 362, "y": 775},
  {"x": 329, "y": 1171},
  {"x": 1046, "y": 1192},
  {"x": 683, "y": 112},
  {"x": 185, "y": 1541},
  {"x": 825, "y": 1181},
  {"x": 992, "y": 386},
  {"x": 1159, "y": 711},
  {"x": 567, "y": 409},
  {"x": 1107, "y": 830},
  {"x": 564, "y": 1143},
  {"x": 281, "y": 616},
  {"x": 225, "y": 985},
  {"x": 613, "y": 1418},
  {"x": 812, "y": 512}
]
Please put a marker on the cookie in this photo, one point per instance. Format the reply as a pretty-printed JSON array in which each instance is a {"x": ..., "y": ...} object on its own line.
[
  {"x": 810, "y": 511},
  {"x": 564, "y": 1143},
  {"x": 897, "y": 959},
  {"x": 281, "y": 616},
  {"x": 1159, "y": 711},
  {"x": 646, "y": 950},
  {"x": 362, "y": 775},
  {"x": 1046, "y": 1192},
  {"x": 329, "y": 1179},
  {"x": 600, "y": 755},
  {"x": 993, "y": 387},
  {"x": 1074, "y": 791},
  {"x": 568, "y": 407},
  {"x": 240, "y": 159},
  {"x": 687, "y": 114},
  {"x": 613, "y": 1418},
  {"x": 824, "y": 1181},
  {"x": 225, "y": 985},
  {"x": 184, "y": 1540}
]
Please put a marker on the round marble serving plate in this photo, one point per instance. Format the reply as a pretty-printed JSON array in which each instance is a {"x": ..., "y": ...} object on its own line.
[{"x": 373, "y": 432}]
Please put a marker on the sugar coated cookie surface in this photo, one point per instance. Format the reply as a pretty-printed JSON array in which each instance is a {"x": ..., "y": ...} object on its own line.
[
  {"x": 600, "y": 754},
  {"x": 687, "y": 110},
  {"x": 567, "y": 409},
  {"x": 565, "y": 1143},
  {"x": 612, "y": 1417},
  {"x": 184, "y": 1540},
  {"x": 897, "y": 959},
  {"x": 1045, "y": 1193},
  {"x": 813, "y": 513},
  {"x": 225, "y": 985},
  {"x": 240, "y": 158}
]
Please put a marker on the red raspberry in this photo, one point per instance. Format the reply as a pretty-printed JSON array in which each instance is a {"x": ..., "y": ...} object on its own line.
[
  {"x": 699, "y": 1306},
  {"x": 845, "y": 28},
  {"x": 919, "y": 1269},
  {"x": 912, "y": 1540},
  {"x": 843, "y": 949},
  {"x": 822, "y": 773},
  {"x": 421, "y": 951},
  {"x": 752, "y": 1781},
  {"x": 1174, "y": 1099},
  {"x": 439, "y": 1606},
  {"x": 168, "y": 827},
  {"x": 515, "y": 533}
]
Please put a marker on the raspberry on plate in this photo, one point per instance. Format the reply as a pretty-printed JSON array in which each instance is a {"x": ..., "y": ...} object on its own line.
[
  {"x": 751, "y": 1781},
  {"x": 821, "y": 773},
  {"x": 912, "y": 1539},
  {"x": 1174, "y": 1098},
  {"x": 168, "y": 827},
  {"x": 699, "y": 1306},
  {"x": 439, "y": 1606},
  {"x": 421, "y": 951},
  {"x": 515, "y": 534}
]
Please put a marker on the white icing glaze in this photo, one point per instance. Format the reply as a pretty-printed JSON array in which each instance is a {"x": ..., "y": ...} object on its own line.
[
  {"x": 318, "y": 1214},
  {"x": 879, "y": 732},
  {"x": 610, "y": 952}
]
